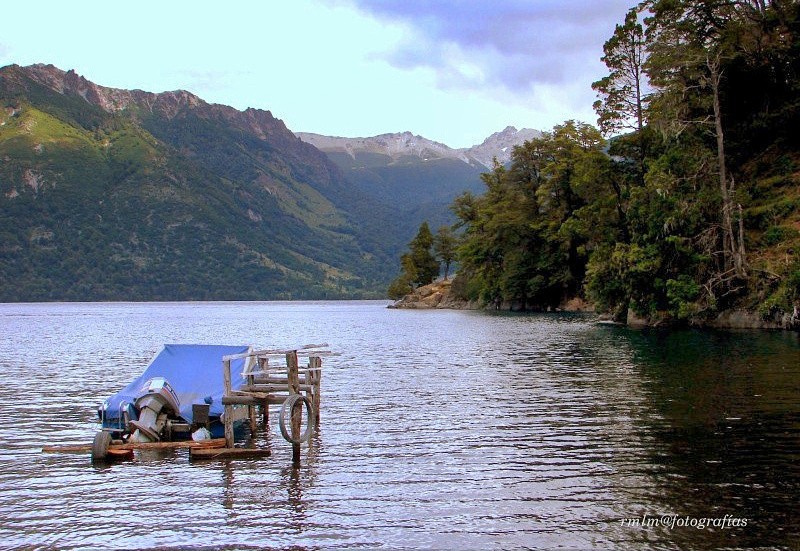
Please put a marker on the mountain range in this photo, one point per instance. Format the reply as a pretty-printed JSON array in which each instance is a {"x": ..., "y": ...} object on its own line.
[
  {"x": 407, "y": 147},
  {"x": 110, "y": 194},
  {"x": 417, "y": 178}
]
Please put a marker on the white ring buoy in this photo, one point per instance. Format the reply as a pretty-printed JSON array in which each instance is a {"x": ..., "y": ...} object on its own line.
[{"x": 288, "y": 405}]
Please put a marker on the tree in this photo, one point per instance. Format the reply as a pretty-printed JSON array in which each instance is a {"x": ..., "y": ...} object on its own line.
[
  {"x": 403, "y": 284},
  {"x": 524, "y": 240},
  {"x": 444, "y": 247},
  {"x": 689, "y": 42},
  {"x": 427, "y": 268},
  {"x": 418, "y": 265},
  {"x": 622, "y": 100}
]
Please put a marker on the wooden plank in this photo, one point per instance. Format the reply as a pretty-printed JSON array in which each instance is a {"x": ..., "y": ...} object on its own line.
[
  {"x": 67, "y": 448},
  {"x": 74, "y": 448},
  {"x": 251, "y": 414},
  {"x": 258, "y": 387},
  {"x": 263, "y": 364},
  {"x": 251, "y": 410},
  {"x": 257, "y": 399},
  {"x": 275, "y": 352},
  {"x": 303, "y": 379},
  {"x": 269, "y": 379},
  {"x": 228, "y": 453},
  {"x": 241, "y": 401},
  {"x": 292, "y": 373}
]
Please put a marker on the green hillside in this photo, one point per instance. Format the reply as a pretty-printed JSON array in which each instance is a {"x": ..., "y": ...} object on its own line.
[{"x": 170, "y": 199}]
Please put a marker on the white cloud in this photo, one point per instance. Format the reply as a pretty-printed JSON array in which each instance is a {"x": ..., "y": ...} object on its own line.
[{"x": 518, "y": 45}]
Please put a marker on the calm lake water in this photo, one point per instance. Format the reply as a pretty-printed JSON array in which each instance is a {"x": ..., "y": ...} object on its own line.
[{"x": 440, "y": 430}]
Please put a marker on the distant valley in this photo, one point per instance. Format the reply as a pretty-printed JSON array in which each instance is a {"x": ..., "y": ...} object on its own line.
[{"x": 417, "y": 178}]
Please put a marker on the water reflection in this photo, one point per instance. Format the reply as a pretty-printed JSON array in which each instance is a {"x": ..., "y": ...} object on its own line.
[{"x": 726, "y": 432}]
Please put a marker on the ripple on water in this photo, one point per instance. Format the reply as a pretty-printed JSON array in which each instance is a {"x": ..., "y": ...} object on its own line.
[{"x": 439, "y": 430}]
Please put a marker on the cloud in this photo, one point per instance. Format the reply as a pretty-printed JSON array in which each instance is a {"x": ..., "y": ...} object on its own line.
[{"x": 514, "y": 44}]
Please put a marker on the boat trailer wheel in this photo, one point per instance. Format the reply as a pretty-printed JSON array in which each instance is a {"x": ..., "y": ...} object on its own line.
[
  {"x": 100, "y": 444},
  {"x": 288, "y": 405}
]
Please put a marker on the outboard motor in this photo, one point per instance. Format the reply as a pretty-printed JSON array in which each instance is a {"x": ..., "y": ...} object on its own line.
[{"x": 156, "y": 400}]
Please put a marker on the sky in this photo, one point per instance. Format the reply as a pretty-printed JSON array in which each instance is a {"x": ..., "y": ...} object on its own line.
[{"x": 454, "y": 71}]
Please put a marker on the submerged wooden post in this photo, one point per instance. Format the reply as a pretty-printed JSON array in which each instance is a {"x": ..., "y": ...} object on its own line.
[
  {"x": 226, "y": 377},
  {"x": 315, "y": 369},
  {"x": 251, "y": 409},
  {"x": 251, "y": 419},
  {"x": 263, "y": 364},
  {"x": 293, "y": 379}
]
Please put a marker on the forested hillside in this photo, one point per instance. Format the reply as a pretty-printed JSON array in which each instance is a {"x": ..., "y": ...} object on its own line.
[
  {"x": 110, "y": 194},
  {"x": 691, "y": 209},
  {"x": 413, "y": 190}
]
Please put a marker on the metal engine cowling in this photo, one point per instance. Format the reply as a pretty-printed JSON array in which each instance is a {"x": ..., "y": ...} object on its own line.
[{"x": 155, "y": 401}]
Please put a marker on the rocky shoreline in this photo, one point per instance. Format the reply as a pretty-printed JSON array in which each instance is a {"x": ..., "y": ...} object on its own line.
[
  {"x": 434, "y": 295},
  {"x": 438, "y": 295}
]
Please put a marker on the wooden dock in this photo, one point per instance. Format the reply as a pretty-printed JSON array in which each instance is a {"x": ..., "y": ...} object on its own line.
[{"x": 267, "y": 383}]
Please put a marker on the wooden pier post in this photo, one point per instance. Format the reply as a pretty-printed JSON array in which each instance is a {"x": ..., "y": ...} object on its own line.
[
  {"x": 251, "y": 409},
  {"x": 263, "y": 364},
  {"x": 315, "y": 369},
  {"x": 226, "y": 374},
  {"x": 293, "y": 378}
]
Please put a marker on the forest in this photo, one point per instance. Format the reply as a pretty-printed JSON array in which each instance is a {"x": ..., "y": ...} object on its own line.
[
  {"x": 199, "y": 202},
  {"x": 682, "y": 203}
]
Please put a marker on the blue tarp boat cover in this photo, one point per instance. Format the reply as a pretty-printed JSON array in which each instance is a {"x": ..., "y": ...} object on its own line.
[{"x": 195, "y": 373}]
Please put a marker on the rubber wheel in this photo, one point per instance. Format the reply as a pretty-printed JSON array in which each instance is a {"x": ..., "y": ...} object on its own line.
[
  {"x": 100, "y": 444},
  {"x": 288, "y": 404}
]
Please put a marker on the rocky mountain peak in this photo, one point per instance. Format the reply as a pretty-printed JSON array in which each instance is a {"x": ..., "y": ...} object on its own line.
[
  {"x": 164, "y": 104},
  {"x": 501, "y": 144},
  {"x": 396, "y": 145},
  {"x": 109, "y": 99},
  {"x": 400, "y": 144}
]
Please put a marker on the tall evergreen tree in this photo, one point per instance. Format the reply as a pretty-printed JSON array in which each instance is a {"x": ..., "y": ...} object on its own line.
[
  {"x": 418, "y": 265},
  {"x": 444, "y": 247},
  {"x": 623, "y": 100},
  {"x": 426, "y": 265}
]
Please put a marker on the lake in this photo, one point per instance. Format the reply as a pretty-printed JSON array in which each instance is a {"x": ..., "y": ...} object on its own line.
[{"x": 439, "y": 430}]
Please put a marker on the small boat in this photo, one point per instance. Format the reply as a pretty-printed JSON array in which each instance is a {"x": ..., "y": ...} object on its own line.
[{"x": 179, "y": 396}]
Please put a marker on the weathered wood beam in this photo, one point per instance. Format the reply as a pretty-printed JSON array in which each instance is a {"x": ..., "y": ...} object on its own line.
[
  {"x": 228, "y": 453},
  {"x": 80, "y": 448}
]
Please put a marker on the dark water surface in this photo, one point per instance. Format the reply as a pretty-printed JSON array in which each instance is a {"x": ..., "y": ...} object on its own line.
[{"x": 440, "y": 429}]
